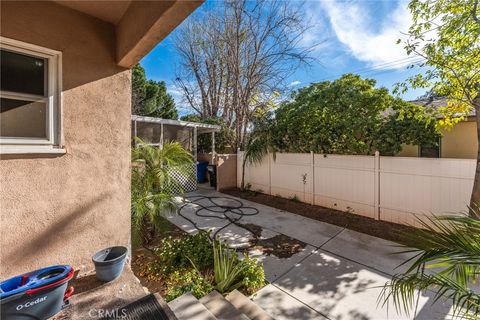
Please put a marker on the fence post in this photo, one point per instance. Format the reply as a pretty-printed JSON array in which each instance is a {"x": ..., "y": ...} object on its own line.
[
  {"x": 269, "y": 174},
  {"x": 313, "y": 177},
  {"x": 239, "y": 168},
  {"x": 377, "y": 185}
]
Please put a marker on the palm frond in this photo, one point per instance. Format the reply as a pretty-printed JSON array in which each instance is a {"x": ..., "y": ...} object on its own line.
[
  {"x": 446, "y": 260},
  {"x": 402, "y": 290},
  {"x": 152, "y": 184}
]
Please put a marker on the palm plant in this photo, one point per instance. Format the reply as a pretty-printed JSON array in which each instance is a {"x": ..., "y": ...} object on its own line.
[
  {"x": 259, "y": 144},
  {"x": 451, "y": 246},
  {"x": 153, "y": 185},
  {"x": 226, "y": 268}
]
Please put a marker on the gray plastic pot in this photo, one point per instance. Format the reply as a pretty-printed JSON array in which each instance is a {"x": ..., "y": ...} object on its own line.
[{"x": 109, "y": 263}]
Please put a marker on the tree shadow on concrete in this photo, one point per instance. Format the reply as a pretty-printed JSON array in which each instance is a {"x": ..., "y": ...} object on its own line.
[{"x": 343, "y": 290}]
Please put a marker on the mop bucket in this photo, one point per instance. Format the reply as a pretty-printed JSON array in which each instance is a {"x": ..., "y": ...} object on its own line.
[{"x": 36, "y": 295}]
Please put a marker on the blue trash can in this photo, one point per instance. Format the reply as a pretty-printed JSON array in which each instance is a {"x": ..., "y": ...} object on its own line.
[
  {"x": 39, "y": 294},
  {"x": 201, "y": 171}
]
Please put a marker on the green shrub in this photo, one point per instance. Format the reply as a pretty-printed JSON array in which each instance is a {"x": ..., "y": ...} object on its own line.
[
  {"x": 253, "y": 274},
  {"x": 183, "y": 281},
  {"x": 295, "y": 198},
  {"x": 176, "y": 254},
  {"x": 227, "y": 268},
  {"x": 186, "y": 265}
]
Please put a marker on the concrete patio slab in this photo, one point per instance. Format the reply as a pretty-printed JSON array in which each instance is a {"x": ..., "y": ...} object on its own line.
[
  {"x": 371, "y": 251},
  {"x": 310, "y": 231},
  {"x": 107, "y": 297},
  {"x": 282, "y": 306},
  {"x": 274, "y": 266},
  {"x": 342, "y": 289},
  {"x": 337, "y": 274}
]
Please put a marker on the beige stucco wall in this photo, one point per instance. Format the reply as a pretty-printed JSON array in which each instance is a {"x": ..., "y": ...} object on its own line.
[
  {"x": 226, "y": 171},
  {"x": 60, "y": 210},
  {"x": 461, "y": 141}
]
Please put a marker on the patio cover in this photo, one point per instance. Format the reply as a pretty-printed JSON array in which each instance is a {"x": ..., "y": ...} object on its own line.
[{"x": 156, "y": 131}]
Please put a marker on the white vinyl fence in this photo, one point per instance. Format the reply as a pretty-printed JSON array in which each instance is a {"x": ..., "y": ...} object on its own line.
[{"x": 385, "y": 188}]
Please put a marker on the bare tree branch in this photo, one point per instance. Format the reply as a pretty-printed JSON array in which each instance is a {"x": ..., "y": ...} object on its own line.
[
  {"x": 474, "y": 11},
  {"x": 238, "y": 54}
]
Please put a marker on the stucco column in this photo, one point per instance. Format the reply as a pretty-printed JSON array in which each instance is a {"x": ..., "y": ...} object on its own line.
[{"x": 213, "y": 147}]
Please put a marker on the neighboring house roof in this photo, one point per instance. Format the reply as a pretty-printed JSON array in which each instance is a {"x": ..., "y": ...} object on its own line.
[
  {"x": 201, "y": 127},
  {"x": 435, "y": 103}
]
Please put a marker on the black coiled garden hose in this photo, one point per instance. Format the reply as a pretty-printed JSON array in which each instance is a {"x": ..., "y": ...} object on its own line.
[{"x": 231, "y": 213}]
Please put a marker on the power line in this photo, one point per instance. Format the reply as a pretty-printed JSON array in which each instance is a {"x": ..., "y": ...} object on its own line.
[{"x": 387, "y": 65}]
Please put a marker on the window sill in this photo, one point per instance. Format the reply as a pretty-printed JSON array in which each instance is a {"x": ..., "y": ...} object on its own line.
[{"x": 15, "y": 149}]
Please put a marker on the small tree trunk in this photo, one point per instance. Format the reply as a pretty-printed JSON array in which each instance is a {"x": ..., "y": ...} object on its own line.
[
  {"x": 475, "y": 199},
  {"x": 244, "y": 162}
]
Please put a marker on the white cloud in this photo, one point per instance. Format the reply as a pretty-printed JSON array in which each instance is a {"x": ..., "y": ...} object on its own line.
[
  {"x": 318, "y": 34},
  {"x": 352, "y": 22},
  {"x": 294, "y": 83}
]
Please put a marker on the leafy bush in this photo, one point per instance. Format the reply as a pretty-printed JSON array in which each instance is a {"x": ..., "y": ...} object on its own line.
[
  {"x": 295, "y": 198},
  {"x": 349, "y": 115},
  {"x": 183, "y": 281},
  {"x": 181, "y": 253},
  {"x": 252, "y": 274},
  {"x": 186, "y": 265}
]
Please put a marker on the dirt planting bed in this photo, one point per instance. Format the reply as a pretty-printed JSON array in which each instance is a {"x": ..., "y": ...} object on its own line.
[{"x": 382, "y": 229}]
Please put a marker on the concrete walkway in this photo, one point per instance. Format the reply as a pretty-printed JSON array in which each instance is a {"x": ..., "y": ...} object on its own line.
[{"x": 337, "y": 274}]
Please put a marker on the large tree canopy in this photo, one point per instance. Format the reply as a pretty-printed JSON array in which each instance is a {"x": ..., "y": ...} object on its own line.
[
  {"x": 150, "y": 98},
  {"x": 349, "y": 116}
]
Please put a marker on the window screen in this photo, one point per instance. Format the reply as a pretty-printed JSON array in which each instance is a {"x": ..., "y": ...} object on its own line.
[
  {"x": 24, "y": 103},
  {"x": 23, "y": 73}
]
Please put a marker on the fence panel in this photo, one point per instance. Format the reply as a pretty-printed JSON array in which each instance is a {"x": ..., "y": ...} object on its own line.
[
  {"x": 257, "y": 175},
  {"x": 423, "y": 186},
  {"x": 346, "y": 183},
  {"x": 292, "y": 176},
  {"x": 386, "y": 188}
]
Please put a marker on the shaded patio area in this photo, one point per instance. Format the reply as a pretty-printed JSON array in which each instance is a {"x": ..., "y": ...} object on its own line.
[
  {"x": 333, "y": 272},
  {"x": 94, "y": 299}
]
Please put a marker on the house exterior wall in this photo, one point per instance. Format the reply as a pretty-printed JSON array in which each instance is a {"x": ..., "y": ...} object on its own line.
[
  {"x": 408, "y": 150},
  {"x": 460, "y": 142},
  {"x": 61, "y": 209}
]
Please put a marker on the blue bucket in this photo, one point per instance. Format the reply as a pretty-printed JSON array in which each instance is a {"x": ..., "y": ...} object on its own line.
[
  {"x": 201, "y": 171},
  {"x": 109, "y": 263}
]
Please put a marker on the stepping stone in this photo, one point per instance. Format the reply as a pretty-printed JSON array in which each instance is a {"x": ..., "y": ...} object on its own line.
[
  {"x": 187, "y": 307},
  {"x": 247, "y": 306},
  {"x": 221, "y": 308}
]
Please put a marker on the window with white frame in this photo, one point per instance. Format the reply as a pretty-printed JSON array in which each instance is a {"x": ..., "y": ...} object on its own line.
[{"x": 30, "y": 96}]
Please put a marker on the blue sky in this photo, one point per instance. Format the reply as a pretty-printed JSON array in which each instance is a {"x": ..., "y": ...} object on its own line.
[{"x": 354, "y": 36}]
